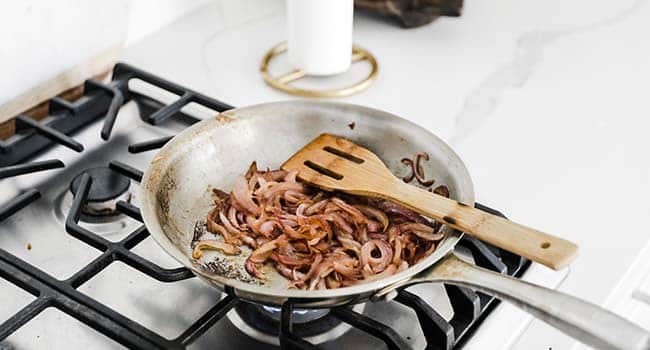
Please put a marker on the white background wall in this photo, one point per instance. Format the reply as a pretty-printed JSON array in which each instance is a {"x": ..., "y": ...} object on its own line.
[
  {"x": 146, "y": 16},
  {"x": 41, "y": 38}
]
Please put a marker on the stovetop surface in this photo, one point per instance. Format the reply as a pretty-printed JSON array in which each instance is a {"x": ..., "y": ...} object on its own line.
[
  {"x": 162, "y": 307},
  {"x": 37, "y": 235}
]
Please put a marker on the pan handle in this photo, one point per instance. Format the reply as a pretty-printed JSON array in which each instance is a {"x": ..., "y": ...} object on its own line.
[{"x": 582, "y": 320}]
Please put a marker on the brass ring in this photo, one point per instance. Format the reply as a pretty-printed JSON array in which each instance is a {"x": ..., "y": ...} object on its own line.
[{"x": 282, "y": 82}]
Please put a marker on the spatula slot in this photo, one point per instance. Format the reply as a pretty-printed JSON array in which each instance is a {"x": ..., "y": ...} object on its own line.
[
  {"x": 348, "y": 156},
  {"x": 323, "y": 170}
]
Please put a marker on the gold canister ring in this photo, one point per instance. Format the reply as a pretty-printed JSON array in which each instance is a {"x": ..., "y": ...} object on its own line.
[{"x": 282, "y": 82}]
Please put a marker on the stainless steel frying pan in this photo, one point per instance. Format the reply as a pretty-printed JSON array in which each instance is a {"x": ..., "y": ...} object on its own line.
[{"x": 176, "y": 192}]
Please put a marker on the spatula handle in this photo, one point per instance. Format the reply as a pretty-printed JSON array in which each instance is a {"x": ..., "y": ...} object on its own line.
[{"x": 535, "y": 245}]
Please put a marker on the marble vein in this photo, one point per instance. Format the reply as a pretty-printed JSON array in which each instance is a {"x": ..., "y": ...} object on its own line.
[
  {"x": 529, "y": 54},
  {"x": 231, "y": 25}
]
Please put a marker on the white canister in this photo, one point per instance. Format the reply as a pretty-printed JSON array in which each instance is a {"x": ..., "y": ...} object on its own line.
[{"x": 320, "y": 35}]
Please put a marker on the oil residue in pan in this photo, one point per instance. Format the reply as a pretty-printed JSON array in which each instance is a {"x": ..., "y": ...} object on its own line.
[{"x": 227, "y": 267}]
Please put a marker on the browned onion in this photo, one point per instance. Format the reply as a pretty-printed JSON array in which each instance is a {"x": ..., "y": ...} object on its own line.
[
  {"x": 376, "y": 213},
  {"x": 422, "y": 231},
  {"x": 213, "y": 245},
  {"x": 241, "y": 195},
  {"x": 228, "y": 225},
  {"x": 263, "y": 251},
  {"x": 385, "y": 255},
  {"x": 317, "y": 240},
  {"x": 252, "y": 269},
  {"x": 390, "y": 270}
]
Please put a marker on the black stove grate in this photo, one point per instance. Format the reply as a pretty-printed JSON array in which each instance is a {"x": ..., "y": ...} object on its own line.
[{"x": 100, "y": 99}]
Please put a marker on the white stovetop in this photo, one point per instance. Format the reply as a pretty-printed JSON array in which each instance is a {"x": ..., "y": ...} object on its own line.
[{"x": 547, "y": 103}]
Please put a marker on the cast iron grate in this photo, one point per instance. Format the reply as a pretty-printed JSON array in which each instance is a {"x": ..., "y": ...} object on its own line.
[{"x": 100, "y": 99}]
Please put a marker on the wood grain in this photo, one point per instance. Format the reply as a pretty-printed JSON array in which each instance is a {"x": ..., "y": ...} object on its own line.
[{"x": 320, "y": 167}]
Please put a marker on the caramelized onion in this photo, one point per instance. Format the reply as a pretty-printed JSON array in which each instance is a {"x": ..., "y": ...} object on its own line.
[
  {"x": 252, "y": 269},
  {"x": 390, "y": 270},
  {"x": 213, "y": 245},
  {"x": 392, "y": 208},
  {"x": 315, "y": 239},
  {"x": 242, "y": 196},
  {"x": 422, "y": 231},
  {"x": 376, "y": 213},
  {"x": 377, "y": 264}
]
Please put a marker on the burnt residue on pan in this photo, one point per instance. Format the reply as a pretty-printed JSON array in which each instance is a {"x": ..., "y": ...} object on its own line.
[
  {"x": 224, "y": 267},
  {"x": 223, "y": 118},
  {"x": 228, "y": 267},
  {"x": 167, "y": 186},
  {"x": 200, "y": 229}
]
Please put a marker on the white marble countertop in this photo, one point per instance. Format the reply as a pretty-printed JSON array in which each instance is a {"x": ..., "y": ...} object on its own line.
[{"x": 547, "y": 103}]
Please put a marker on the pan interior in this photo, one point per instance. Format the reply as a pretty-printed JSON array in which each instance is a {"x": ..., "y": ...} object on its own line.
[{"x": 178, "y": 184}]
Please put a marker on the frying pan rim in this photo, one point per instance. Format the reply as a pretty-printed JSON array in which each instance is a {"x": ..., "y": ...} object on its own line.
[{"x": 261, "y": 292}]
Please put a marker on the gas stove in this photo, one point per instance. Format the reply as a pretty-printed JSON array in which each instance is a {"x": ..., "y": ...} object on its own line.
[{"x": 78, "y": 269}]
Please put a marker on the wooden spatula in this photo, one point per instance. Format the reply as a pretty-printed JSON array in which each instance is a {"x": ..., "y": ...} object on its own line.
[{"x": 334, "y": 163}]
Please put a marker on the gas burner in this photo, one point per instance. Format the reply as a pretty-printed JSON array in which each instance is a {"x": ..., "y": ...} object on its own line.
[
  {"x": 263, "y": 323},
  {"x": 107, "y": 188}
]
